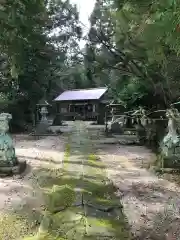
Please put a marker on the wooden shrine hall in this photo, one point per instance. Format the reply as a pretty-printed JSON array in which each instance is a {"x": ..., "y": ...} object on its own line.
[{"x": 85, "y": 104}]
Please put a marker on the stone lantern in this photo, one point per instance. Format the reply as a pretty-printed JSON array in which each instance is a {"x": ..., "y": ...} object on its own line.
[
  {"x": 43, "y": 105},
  {"x": 42, "y": 122}
]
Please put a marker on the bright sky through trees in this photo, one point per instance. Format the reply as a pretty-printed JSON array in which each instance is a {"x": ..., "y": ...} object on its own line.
[{"x": 85, "y": 8}]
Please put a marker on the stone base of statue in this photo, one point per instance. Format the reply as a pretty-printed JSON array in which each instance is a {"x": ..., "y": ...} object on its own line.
[
  {"x": 116, "y": 128},
  {"x": 9, "y": 164},
  {"x": 116, "y": 125},
  {"x": 17, "y": 169}
]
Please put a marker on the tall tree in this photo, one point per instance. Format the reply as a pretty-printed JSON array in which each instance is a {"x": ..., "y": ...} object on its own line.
[
  {"x": 39, "y": 40},
  {"x": 139, "y": 45}
]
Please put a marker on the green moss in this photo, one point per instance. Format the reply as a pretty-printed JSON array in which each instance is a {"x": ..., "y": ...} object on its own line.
[
  {"x": 99, "y": 189},
  {"x": 45, "y": 236},
  {"x": 93, "y": 157},
  {"x": 106, "y": 202},
  {"x": 66, "y": 155},
  {"x": 60, "y": 196},
  {"x": 14, "y": 227},
  {"x": 68, "y": 224},
  {"x": 49, "y": 177},
  {"x": 115, "y": 229},
  {"x": 67, "y": 151},
  {"x": 95, "y": 160},
  {"x": 101, "y": 195}
]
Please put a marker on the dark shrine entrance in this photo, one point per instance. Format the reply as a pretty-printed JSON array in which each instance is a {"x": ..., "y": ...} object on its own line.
[{"x": 81, "y": 109}]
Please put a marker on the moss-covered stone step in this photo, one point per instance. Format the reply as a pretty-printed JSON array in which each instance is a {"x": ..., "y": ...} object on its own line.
[{"x": 60, "y": 197}]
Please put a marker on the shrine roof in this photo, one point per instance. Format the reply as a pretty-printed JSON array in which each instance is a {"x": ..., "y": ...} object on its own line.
[{"x": 82, "y": 94}]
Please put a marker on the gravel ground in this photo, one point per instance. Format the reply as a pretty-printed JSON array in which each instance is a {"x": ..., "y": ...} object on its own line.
[
  {"x": 151, "y": 204},
  {"x": 22, "y": 195}
]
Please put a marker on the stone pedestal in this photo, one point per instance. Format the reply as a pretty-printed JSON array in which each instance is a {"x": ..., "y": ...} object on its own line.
[
  {"x": 8, "y": 161},
  {"x": 116, "y": 125}
]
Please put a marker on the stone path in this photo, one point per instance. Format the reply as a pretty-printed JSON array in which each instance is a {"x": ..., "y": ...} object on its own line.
[
  {"x": 151, "y": 204},
  {"x": 90, "y": 210}
]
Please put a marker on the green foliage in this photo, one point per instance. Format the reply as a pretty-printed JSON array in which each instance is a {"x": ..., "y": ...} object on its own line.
[
  {"x": 134, "y": 40},
  {"x": 36, "y": 53},
  {"x": 132, "y": 47}
]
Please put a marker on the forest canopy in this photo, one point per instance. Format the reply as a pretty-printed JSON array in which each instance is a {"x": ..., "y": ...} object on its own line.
[{"x": 132, "y": 48}]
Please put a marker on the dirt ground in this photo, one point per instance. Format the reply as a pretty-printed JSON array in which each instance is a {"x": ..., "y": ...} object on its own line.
[
  {"x": 151, "y": 204},
  {"x": 22, "y": 195}
]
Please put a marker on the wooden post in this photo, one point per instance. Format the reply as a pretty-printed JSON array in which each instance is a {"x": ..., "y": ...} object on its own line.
[
  {"x": 84, "y": 111},
  {"x": 37, "y": 115},
  {"x": 57, "y": 108},
  {"x": 106, "y": 126},
  {"x": 34, "y": 119},
  {"x": 97, "y": 109}
]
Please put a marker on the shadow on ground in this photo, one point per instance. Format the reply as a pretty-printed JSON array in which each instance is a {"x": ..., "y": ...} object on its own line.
[
  {"x": 152, "y": 204},
  {"x": 96, "y": 204}
]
